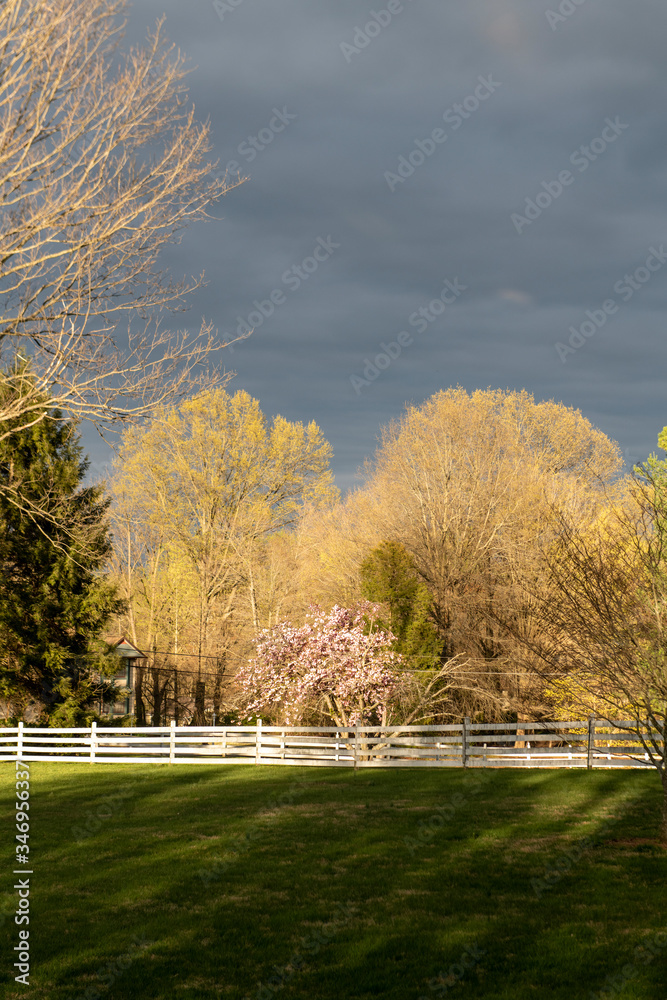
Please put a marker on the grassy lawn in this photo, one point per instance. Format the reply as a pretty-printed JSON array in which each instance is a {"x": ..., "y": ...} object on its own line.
[{"x": 262, "y": 882}]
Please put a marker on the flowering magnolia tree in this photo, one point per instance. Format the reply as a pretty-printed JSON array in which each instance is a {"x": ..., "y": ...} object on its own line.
[{"x": 332, "y": 667}]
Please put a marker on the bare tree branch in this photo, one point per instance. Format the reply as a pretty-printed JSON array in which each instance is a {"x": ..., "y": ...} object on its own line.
[{"x": 102, "y": 165}]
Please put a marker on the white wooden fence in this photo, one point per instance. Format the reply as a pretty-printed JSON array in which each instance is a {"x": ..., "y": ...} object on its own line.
[{"x": 585, "y": 744}]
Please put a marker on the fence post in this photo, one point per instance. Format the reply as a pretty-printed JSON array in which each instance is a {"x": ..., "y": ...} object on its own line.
[
  {"x": 591, "y": 741},
  {"x": 93, "y": 741},
  {"x": 19, "y": 742},
  {"x": 464, "y": 741},
  {"x": 172, "y": 741},
  {"x": 356, "y": 746},
  {"x": 258, "y": 741}
]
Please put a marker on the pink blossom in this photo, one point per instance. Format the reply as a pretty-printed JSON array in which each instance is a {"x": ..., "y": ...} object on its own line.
[{"x": 332, "y": 667}]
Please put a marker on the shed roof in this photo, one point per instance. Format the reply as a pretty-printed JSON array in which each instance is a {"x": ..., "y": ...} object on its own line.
[{"x": 125, "y": 648}]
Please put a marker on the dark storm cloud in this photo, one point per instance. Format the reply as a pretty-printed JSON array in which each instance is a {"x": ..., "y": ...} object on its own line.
[{"x": 358, "y": 115}]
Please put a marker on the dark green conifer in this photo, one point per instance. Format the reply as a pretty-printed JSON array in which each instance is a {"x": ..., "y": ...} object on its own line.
[
  {"x": 54, "y": 540},
  {"x": 389, "y": 577}
]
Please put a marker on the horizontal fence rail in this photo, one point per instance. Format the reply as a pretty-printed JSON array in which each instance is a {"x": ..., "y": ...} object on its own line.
[{"x": 586, "y": 744}]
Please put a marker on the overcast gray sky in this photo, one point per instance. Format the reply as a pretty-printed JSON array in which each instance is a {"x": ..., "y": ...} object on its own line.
[{"x": 402, "y": 146}]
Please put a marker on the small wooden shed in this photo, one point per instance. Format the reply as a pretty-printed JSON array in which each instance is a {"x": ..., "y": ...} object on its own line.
[{"x": 132, "y": 657}]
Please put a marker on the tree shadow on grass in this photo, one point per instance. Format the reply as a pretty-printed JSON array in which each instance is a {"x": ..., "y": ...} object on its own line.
[{"x": 323, "y": 865}]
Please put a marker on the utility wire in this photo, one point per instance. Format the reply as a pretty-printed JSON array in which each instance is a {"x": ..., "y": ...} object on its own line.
[{"x": 469, "y": 673}]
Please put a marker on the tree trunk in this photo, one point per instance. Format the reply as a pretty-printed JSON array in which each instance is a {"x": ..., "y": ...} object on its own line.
[
  {"x": 156, "y": 696},
  {"x": 130, "y": 590},
  {"x": 199, "y": 719},
  {"x": 139, "y": 707},
  {"x": 253, "y": 602},
  {"x": 217, "y": 689}
]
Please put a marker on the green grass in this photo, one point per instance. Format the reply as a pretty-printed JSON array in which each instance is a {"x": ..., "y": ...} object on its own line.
[{"x": 408, "y": 908}]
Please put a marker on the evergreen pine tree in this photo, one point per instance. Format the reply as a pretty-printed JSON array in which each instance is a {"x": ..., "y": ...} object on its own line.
[
  {"x": 54, "y": 600},
  {"x": 389, "y": 577}
]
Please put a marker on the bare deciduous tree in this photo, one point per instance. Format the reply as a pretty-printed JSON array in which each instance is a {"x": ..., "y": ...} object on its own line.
[
  {"x": 601, "y": 614},
  {"x": 102, "y": 164}
]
